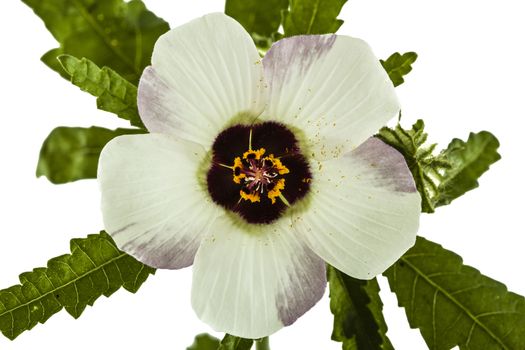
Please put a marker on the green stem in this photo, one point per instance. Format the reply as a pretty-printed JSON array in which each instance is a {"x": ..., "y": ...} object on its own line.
[{"x": 263, "y": 344}]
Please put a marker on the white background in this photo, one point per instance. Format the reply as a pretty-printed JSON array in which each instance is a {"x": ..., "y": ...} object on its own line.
[{"x": 469, "y": 77}]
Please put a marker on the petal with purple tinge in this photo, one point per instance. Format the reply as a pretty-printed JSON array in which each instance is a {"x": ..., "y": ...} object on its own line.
[
  {"x": 154, "y": 204},
  {"x": 203, "y": 74},
  {"x": 364, "y": 211},
  {"x": 250, "y": 282},
  {"x": 331, "y": 87}
]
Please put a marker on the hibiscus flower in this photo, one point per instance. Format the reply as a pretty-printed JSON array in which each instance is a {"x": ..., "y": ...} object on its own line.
[{"x": 259, "y": 171}]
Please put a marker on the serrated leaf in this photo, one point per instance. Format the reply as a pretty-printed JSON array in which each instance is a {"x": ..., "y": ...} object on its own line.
[
  {"x": 398, "y": 65},
  {"x": 205, "y": 342},
  {"x": 70, "y": 154},
  {"x": 312, "y": 17},
  {"x": 114, "y": 93},
  {"x": 94, "y": 268},
  {"x": 454, "y": 304},
  {"x": 358, "y": 313},
  {"x": 230, "y": 342},
  {"x": 424, "y": 166},
  {"x": 442, "y": 177},
  {"x": 260, "y": 18},
  {"x": 111, "y": 33},
  {"x": 469, "y": 160}
]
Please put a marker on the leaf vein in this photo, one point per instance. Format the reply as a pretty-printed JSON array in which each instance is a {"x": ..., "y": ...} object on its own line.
[{"x": 457, "y": 303}]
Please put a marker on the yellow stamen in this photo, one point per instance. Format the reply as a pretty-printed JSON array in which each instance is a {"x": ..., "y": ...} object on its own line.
[
  {"x": 278, "y": 165},
  {"x": 276, "y": 191},
  {"x": 252, "y": 197},
  {"x": 237, "y": 163},
  {"x": 258, "y": 153}
]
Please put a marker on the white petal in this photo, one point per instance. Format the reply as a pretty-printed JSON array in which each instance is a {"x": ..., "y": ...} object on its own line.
[
  {"x": 154, "y": 202},
  {"x": 364, "y": 210},
  {"x": 203, "y": 74},
  {"x": 331, "y": 87},
  {"x": 252, "y": 283}
]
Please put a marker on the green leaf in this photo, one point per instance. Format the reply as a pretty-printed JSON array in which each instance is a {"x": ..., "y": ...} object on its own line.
[
  {"x": 358, "y": 312},
  {"x": 260, "y": 18},
  {"x": 111, "y": 33},
  {"x": 426, "y": 168},
  {"x": 205, "y": 342},
  {"x": 114, "y": 93},
  {"x": 443, "y": 177},
  {"x": 469, "y": 161},
  {"x": 453, "y": 304},
  {"x": 70, "y": 154},
  {"x": 230, "y": 342},
  {"x": 398, "y": 65},
  {"x": 94, "y": 268},
  {"x": 312, "y": 17}
]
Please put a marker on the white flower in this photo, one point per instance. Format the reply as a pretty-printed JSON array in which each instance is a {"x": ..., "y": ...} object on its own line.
[{"x": 258, "y": 172}]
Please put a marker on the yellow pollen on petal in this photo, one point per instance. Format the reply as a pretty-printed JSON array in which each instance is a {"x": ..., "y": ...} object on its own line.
[
  {"x": 252, "y": 197},
  {"x": 237, "y": 164},
  {"x": 276, "y": 191},
  {"x": 281, "y": 169},
  {"x": 258, "y": 153}
]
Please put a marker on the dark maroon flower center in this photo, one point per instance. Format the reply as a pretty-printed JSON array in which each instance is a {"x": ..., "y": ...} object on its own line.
[{"x": 257, "y": 171}]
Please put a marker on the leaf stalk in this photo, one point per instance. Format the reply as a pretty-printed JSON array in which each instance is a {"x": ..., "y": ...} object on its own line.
[{"x": 263, "y": 344}]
